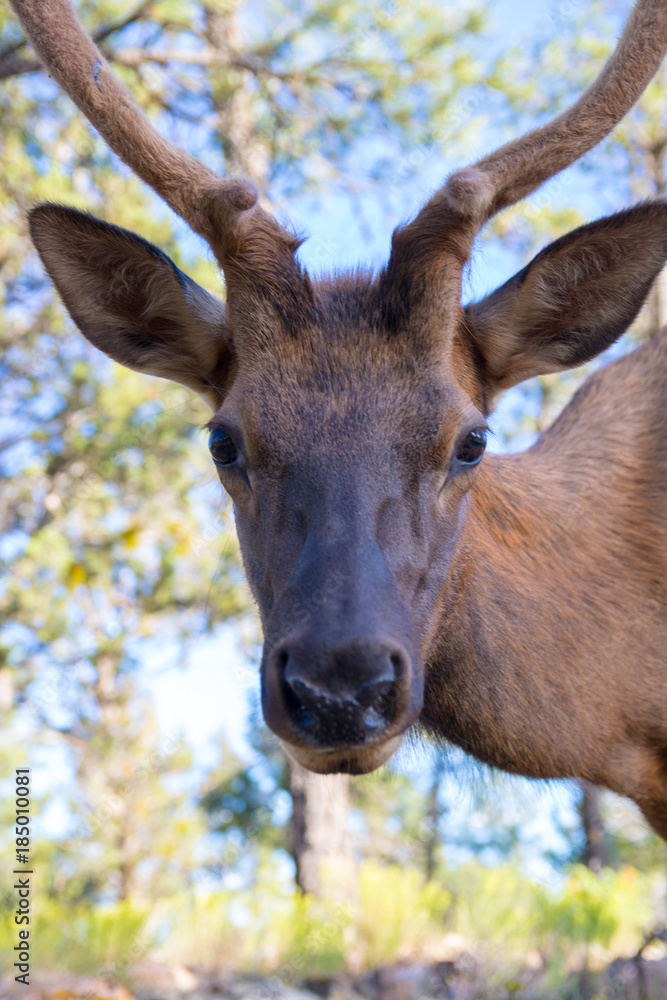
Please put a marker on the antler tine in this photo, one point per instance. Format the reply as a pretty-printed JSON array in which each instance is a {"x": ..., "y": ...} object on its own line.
[
  {"x": 206, "y": 201},
  {"x": 511, "y": 173}
]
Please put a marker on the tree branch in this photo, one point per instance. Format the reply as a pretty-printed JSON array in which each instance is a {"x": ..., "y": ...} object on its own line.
[{"x": 13, "y": 64}]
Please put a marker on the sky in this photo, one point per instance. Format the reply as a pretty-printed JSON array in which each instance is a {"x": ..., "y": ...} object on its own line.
[{"x": 335, "y": 238}]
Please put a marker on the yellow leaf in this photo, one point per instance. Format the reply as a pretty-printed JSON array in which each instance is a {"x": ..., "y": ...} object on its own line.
[
  {"x": 130, "y": 537},
  {"x": 77, "y": 574}
]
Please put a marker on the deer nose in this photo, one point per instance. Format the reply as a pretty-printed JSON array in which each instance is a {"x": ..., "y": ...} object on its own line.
[{"x": 347, "y": 696}]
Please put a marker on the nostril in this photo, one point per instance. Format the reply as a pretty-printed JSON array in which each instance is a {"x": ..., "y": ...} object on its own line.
[
  {"x": 378, "y": 699},
  {"x": 398, "y": 664},
  {"x": 299, "y": 701},
  {"x": 302, "y": 690},
  {"x": 371, "y": 694}
]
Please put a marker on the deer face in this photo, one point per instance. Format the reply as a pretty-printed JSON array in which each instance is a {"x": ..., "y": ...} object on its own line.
[
  {"x": 343, "y": 414},
  {"x": 348, "y": 429},
  {"x": 347, "y": 439},
  {"x": 348, "y": 456}
]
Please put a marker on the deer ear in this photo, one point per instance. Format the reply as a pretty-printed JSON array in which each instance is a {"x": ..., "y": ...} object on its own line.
[
  {"x": 130, "y": 300},
  {"x": 572, "y": 301}
]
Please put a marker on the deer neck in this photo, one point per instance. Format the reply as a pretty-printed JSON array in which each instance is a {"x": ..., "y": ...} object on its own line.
[{"x": 512, "y": 628}]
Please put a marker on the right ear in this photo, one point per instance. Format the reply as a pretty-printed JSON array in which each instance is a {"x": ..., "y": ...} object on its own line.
[
  {"x": 572, "y": 301},
  {"x": 130, "y": 300}
]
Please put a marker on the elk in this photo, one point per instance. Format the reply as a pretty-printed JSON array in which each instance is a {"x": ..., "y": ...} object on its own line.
[{"x": 513, "y": 605}]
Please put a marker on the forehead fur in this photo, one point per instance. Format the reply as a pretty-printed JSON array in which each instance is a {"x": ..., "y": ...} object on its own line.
[
  {"x": 342, "y": 340},
  {"x": 345, "y": 369},
  {"x": 354, "y": 315}
]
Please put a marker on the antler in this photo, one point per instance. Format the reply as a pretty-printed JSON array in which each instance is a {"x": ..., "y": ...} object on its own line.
[
  {"x": 208, "y": 203},
  {"x": 476, "y": 193}
]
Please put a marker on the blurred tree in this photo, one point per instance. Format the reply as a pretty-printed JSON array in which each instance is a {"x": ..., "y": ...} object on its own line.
[
  {"x": 435, "y": 811},
  {"x": 137, "y": 834},
  {"x": 246, "y": 804},
  {"x": 400, "y": 820},
  {"x": 595, "y": 854},
  {"x": 532, "y": 84}
]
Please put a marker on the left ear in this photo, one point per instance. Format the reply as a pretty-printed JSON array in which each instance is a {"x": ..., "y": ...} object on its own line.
[
  {"x": 132, "y": 302},
  {"x": 572, "y": 301}
]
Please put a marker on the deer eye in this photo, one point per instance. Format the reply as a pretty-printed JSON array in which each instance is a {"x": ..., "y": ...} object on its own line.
[
  {"x": 222, "y": 448},
  {"x": 472, "y": 448}
]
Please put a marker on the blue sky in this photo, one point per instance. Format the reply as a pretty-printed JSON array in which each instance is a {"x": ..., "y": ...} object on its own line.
[{"x": 335, "y": 237}]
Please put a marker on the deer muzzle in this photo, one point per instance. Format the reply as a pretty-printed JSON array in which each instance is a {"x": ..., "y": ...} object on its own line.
[{"x": 336, "y": 701}]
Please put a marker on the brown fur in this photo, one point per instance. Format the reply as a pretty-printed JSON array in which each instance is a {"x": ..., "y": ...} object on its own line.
[
  {"x": 521, "y": 601},
  {"x": 550, "y": 655}
]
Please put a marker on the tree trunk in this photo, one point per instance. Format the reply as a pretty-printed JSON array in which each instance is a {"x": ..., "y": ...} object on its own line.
[
  {"x": 6, "y": 689},
  {"x": 654, "y": 314},
  {"x": 245, "y": 149},
  {"x": 319, "y": 837},
  {"x": 433, "y": 817},
  {"x": 595, "y": 854}
]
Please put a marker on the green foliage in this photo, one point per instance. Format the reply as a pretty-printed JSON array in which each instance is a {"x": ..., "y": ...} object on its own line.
[
  {"x": 508, "y": 915},
  {"x": 240, "y": 801},
  {"x": 498, "y": 906},
  {"x": 202, "y": 931},
  {"x": 298, "y": 932},
  {"x": 600, "y": 909},
  {"x": 495, "y": 914},
  {"x": 398, "y": 912},
  {"x": 83, "y": 939},
  {"x": 262, "y": 928},
  {"x": 392, "y": 810}
]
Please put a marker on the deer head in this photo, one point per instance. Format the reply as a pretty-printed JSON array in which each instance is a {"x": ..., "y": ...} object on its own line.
[{"x": 349, "y": 414}]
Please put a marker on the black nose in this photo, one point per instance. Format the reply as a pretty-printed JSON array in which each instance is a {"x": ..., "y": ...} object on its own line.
[{"x": 345, "y": 696}]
